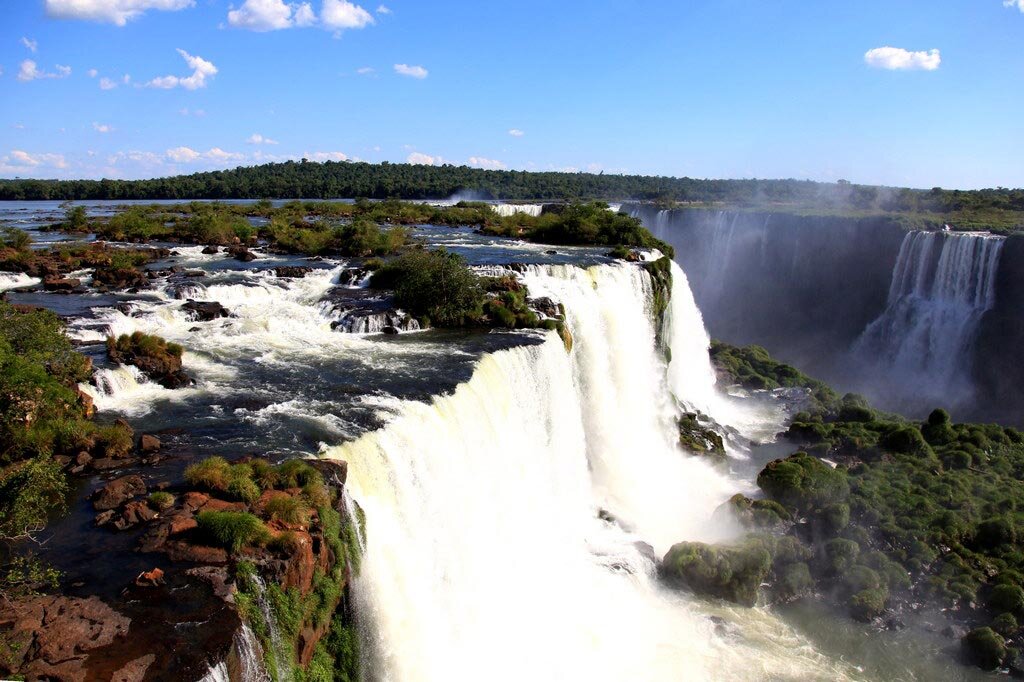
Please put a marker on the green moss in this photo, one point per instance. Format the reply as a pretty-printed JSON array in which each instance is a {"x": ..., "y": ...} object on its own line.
[
  {"x": 803, "y": 482},
  {"x": 868, "y": 604},
  {"x": 1008, "y": 598},
  {"x": 699, "y": 438},
  {"x": 793, "y": 581},
  {"x": 984, "y": 647},
  {"x": 730, "y": 573},
  {"x": 212, "y": 473},
  {"x": 161, "y": 500}
]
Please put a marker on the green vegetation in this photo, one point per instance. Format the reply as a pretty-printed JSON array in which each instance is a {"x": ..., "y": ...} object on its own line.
[
  {"x": 158, "y": 359},
  {"x": 161, "y": 500},
  {"x": 232, "y": 530},
  {"x": 698, "y": 438},
  {"x": 752, "y": 367},
  {"x": 730, "y": 573},
  {"x": 40, "y": 417},
  {"x": 980, "y": 209},
  {"x": 433, "y": 285},
  {"x": 913, "y": 511}
]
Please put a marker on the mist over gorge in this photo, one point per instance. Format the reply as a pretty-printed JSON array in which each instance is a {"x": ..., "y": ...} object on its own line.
[{"x": 910, "y": 319}]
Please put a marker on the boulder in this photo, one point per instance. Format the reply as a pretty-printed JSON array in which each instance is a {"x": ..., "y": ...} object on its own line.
[
  {"x": 732, "y": 573},
  {"x": 292, "y": 271},
  {"x": 117, "y": 492},
  {"x": 241, "y": 253},
  {"x": 61, "y": 285},
  {"x": 210, "y": 250},
  {"x": 200, "y": 554},
  {"x": 152, "y": 578},
  {"x": 133, "y": 514},
  {"x": 87, "y": 403},
  {"x": 205, "y": 311},
  {"x": 51, "y": 637},
  {"x": 106, "y": 464},
  {"x": 134, "y": 670},
  {"x": 149, "y": 443},
  {"x": 119, "y": 278}
]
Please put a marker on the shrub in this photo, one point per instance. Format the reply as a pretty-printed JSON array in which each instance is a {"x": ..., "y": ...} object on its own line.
[
  {"x": 995, "y": 532},
  {"x": 288, "y": 509},
  {"x": 29, "y": 492},
  {"x": 794, "y": 580},
  {"x": 296, "y": 473},
  {"x": 839, "y": 555},
  {"x": 1005, "y": 624},
  {"x": 161, "y": 500},
  {"x": 437, "y": 285},
  {"x": 906, "y": 440},
  {"x": 212, "y": 473},
  {"x": 244, "y": 488},
  {"x": 232, "y": 530}
]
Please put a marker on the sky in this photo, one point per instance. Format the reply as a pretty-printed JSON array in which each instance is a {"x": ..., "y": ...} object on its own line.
[{"x": 893, "y": 92}]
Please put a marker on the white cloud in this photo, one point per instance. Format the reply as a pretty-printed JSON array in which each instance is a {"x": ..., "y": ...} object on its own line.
[
  {"x": 256, "y": 138},
  {"x": 304, "y": 15},
  {"x": 366, "y": 71},
  {"x": 326, "y": 156},
  {"x": 182, "y": 154},
  {"x": 93, "y": 73},
  {"x": 271, "y": 15},
  {"x": 898, "y": 59},
  {"x": 411, "y": 71},
  {"x": 490, "y": 164},
  {"x": 107, "y": 84},
  {"x": 214, "y": 154},
  {"x": 1019, "y": 4},
  {"x": 516, "y": 132},
  {"x": 102, "y": 128},
  {"x": 387, "y": 10},
  {"x": 424, "y": 159},
  {"x": 23, "y": 159},
  {"x": 117, "y": 12},
  {"x": 340, "y": 14},
  {"x": 30, "y": 44},
  {"x": 29, "y": 71},
  {"x": 201, "y": 70}
]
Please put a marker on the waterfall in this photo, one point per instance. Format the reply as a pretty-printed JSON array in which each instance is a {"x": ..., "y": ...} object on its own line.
[
  {"x": 513, "y": 523},
  {"x": 941, "y": 286},
  {"x": 246, "y": 654},
  {"x": 282, "y": 659},
  {"x": 16, "y": 280},
  {"x": 505, "y": 210}
]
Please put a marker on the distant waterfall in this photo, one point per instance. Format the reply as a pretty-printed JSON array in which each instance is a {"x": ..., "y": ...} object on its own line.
[
  {"x": 506, "y": 210},
  {"x": 941, "y": 286},
  {"x": 508, "y": 522}
]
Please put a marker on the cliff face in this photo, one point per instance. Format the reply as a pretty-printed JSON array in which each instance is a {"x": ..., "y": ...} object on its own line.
[
  {"x": 808, "y": 287},
  {"x": 998, "y": 371},
  {"x": 802, "y": 286}
]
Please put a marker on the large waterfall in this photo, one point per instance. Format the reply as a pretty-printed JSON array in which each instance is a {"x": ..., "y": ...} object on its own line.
[
  {"x": 941, "y": 286},
  {"x": 512, "y": 524}
]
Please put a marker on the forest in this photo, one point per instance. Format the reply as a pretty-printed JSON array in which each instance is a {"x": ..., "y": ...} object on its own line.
[{"x": 310, "y": 180}]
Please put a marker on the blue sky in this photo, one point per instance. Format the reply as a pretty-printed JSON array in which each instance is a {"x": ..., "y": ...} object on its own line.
[{"x": 704, "y": 88}]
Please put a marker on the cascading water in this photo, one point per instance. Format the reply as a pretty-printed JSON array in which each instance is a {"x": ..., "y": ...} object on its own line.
[
  {"x": 506, "y": 210},
  {"x": 245, "y": 660},
  {"x": 16, "y": 280},
  {"x": 941, "y": 287},
  {"x": 509, "y": 521}
]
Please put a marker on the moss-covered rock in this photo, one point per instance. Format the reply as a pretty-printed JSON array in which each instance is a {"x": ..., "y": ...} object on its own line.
[
  {"x": 155, "y": 357},
  {"x": 984, "y": 647},
  {"x": 732, "y": 573},
  {"x": 803, "y": 482},
  {"x": 699, "y": 438},
  {"x": 868, "y": 604},
  {"x": 757, "y": 514}
]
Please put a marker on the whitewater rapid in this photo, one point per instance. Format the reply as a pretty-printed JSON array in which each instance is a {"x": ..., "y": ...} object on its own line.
[{"x": 513, "y": 524}]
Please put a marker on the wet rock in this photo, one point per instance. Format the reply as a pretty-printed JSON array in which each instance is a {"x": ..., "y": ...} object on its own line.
[
  {"x": 210, "y": 250},
  {"x": 133, "y": 514},
  {"x": 181, "y": 524},
  {"x": 134, "y": 671},
  {"x": 87, "y": 403},
  {"x": 62, "y": 285},
  {"x": 103, "y": 518},
  {"x": 51, "y": 637},
  {"x": 156, "y": 358},
  {"x": 193, "y": 501},
  {"x": 205, "y": 311},
  {"x": 107, "y": 463},
  {"x": 118, "y": 278},
  {"x": 242, "y": 253},
  {"x": 546, "y": 307},
  {"x": 117, "y": 492},
  {"x": 149, "y": 443},
  {"x": 352, "y": 277},
  {"x": 83, "y": 459},
  {"x": 216, "y": 576},
  {"x": 292, "y": 271},
  {"x": 194, "y": 273}
]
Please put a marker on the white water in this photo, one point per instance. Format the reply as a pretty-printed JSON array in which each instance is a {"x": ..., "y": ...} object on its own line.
[
  {"x": 506, "y": 210},
  {"x": 941, "y": 287},
  {"x": 246, "y": 648},
  {"x": 486, "y": 558},
  {"x": 16, "y": 280}
]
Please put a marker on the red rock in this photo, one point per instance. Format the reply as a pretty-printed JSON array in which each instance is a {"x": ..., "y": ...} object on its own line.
[
  {"x": 53, "y": 635},
  {"x": 150, "y": 578},
  {"x": 181, "y": 524},
  {"x": 194, "y": 500},
  {"x": 134, "y": 671},
  {"x": 61, "y": 284},
  {"x": 213, "y": 504},
  {"x": 87, "y": 403},
  {"x": 184, "y": 551},
  {"x": 133, "y": 514},
  {"x": 83, "y": 458},
  {"x": 149, "y": 443},
  {"x": 107, "y": 463},
  {"x": 118, "y": 491}
]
